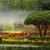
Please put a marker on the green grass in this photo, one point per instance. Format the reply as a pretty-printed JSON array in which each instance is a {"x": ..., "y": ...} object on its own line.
[
  {"x": 25, "y": 48},
  {"x": 13, "y": 37}
]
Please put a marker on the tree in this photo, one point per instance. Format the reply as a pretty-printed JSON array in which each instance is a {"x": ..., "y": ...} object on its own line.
[
  {"x": 41, "y": 19},
  {"x": 20, "y": 4},
  {"x": 48, "y": 6},
  {"x": 39, "y": 5}
]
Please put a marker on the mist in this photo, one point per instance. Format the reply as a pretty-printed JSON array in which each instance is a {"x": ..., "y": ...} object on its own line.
[{"x": 12, "y": 15}]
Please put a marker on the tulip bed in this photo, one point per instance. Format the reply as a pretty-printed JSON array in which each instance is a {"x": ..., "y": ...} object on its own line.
[
  {"x": 24, "y": 37},
  {"x": 26, "y": 40},
  {"x": 22, "y": 33}
]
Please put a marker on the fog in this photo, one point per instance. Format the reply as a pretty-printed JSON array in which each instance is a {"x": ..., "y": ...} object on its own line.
[{"x": 12, "y": 15}]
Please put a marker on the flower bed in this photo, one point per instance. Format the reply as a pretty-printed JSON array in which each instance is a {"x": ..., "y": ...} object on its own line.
[
  {"x": 21, "y": 33},
  {"x": 25, "y": 40},
  {"x": 23, "y": 37}
]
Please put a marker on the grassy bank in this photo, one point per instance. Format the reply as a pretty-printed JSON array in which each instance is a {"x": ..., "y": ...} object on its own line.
[{"x": 24, "y": 48}]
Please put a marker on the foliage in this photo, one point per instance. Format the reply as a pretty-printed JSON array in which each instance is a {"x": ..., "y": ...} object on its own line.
[
  {"x": 27, "y": 4},
  {"x": 25, "y": 48},
  {"x": 41, "y": 19}
]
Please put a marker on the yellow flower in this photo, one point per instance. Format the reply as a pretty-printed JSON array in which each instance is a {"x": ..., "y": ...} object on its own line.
[
  {"x": 17, "y": 40},
  {"x": 45, "y": 41},
  {"x": 29, "y": 40},
  {"x": 26, "y": 40},
  {"x": 33, "y": 41},
  {"x": 21, "y": 40},
  {"x": 3, "y": 39},
  {"x": 49, "y": 41},
  {"x": 39, "y": 41},
  {"x": 13, "y": 40},
  {"x": 6, "y": 40}
]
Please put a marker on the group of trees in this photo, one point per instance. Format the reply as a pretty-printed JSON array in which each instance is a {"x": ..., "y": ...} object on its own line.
[
  {"x": 27, "y": 4},
  {"x": 41, "y": 19}
]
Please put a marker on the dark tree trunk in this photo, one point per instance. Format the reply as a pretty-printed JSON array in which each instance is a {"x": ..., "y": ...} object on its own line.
[
  {"x": 40, "y": 31},
  {"x": 45, "y": 30}
]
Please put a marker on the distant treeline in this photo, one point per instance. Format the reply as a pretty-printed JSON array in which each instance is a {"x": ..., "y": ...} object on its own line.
[{"x": 27, "y": 4}]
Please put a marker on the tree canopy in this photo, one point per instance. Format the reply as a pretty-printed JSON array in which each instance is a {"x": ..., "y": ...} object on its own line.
[
  {"x": 40, "y": 19},
  {"x": 27, "y": 4}
]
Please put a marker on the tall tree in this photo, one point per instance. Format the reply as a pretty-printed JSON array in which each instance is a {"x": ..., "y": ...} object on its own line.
[{"x": 41, "y": 19}]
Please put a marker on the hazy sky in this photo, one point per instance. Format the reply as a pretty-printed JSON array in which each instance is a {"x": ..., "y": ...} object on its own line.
[{"x": 11, "y": 16}]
